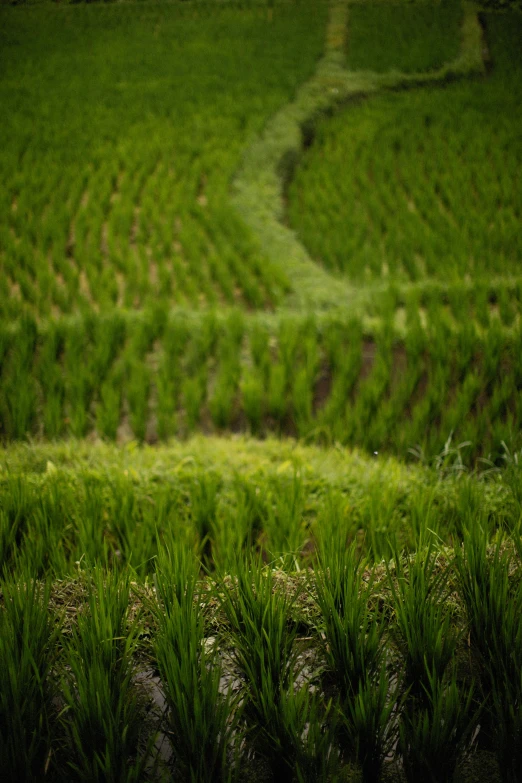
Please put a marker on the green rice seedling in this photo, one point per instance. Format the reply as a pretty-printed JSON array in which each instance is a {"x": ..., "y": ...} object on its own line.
[
  {"x": 166, "y": 410},
  {"x": 302, "y": 401},
  {"x": 135, "y": 524},
  {"x": 18, "y": 503},
  {"x": 229, "y": 349},
  {"x": 284, "y": 521},
  {"x": 170, "y": 376},
  {"x": 289, "y": 338},
  {"x": 425, "y": 633},
  {"x": 44, "y": 549},
  {"x": 202, "y": 721},
  {"x": 277, "y": 387},
  {"x": 344, "y": 351},
  {"x": 263, "y": 637},
  {"x": 352, "y": 620},
  {"x": 253, "y": 399},
  {"x": 91, "y": 543},
  {"x": 482, "y": 305},
  {"x": 28, "y": 652},
  {"x": 109, "y": 334},
  {"x": 512, "y": 479},
  {"x": 334, "y": 528},
  {"x": 51, "y": 381},
  {"x": 174, "y": 344},
  {"x": 79, "y": 379},
  {"x": 103, "y": 720},
  {"x": 244, "y": 521},
  {"x": 424, "y": 515},
  {"x": 108, "y": 410},
  {"x": 491, "y": 588},
  {"x": 507, "y": 717},
  {"x": 368, "y": 722},
  {"x": 138, "y": 388},
  {"x": 204, "y": 497},
  {"x": 300, "y": 740},
  {"x": 193, "y": 394},
  {"x": 505, "y": 307},
  {"x": 221, "y": 404},
  {"x": 380, "y": 519},
  {"x": 260, "y": 348},
  {"x": 8, "y": 539},
  {"x": 437, "y": 732},
  {"x": 18, "y": 392},
  {"x": 317, "y": 755}
]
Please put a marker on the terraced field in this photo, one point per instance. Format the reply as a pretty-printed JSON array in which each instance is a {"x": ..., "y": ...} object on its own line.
[
  {"x": 260, "y": 392},
  {"x": 425, "y": 184},
  {"x": 118, "y": 216},
  {"x": 114, "y": 191}
]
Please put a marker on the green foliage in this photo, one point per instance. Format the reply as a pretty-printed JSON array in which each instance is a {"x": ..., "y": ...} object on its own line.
[
  {"x": 493, "y": 600},
  {"x": 103, "y": 719},
  {"x": 202, "y": 721},
  {"x": 397, "y": 187},
  {"x": 434, "y": 736},
  {"x": 263, "y": 638},
  {"x": 408, "y": 37},
  {"x": 345, "y": 662},
  {"x": 426, "y": 634},
  {"x": 135, "y": 211},
  {"x": 27, "y": 654}
]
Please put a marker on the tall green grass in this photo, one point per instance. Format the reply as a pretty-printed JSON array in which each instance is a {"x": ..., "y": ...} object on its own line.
[
  {"x": 328, "y": 380},
  {"x": 28, "y": 655},
  {"x": 263, "y": 647},
  {"x": 420, "y": 184},
  {"x": 122, "y": 218},
  {"x": 202, "y": 720},
  {"x": 411, "y": 37},
  {"x": 491, "y": 589},
  {"x": 103, "y": 717}
]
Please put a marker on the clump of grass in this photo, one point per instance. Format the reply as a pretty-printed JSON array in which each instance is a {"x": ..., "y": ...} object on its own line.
[
  {"x": 103, "y": 719},
  {"x": 263, "y": 648},
  {"x": 491, "y": 587},
  {"x": 17, "y": 501},
  {"x": 28, "y": 652},
  {"x": 354, "y": 627},
  {"x": 425, "y": 633},
  {"x": 252, "y": 393},
  {"x": 435, "y": 733},
  {"x": 204, "y": 497},
  {"x": 202, "y": 721},
  {"x": 243, "y": 522},
  {"x": 368, "y": 722},
  {"x": 284, "y": 522}
]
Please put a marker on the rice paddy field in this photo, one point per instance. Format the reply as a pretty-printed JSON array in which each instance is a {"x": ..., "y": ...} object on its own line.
[{"x": 261, "y": 391}]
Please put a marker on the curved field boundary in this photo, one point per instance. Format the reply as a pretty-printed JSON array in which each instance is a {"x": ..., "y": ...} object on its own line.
[{"x": 259, "y": 186}]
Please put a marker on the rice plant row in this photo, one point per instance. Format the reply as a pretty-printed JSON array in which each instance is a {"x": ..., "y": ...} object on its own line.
[
  {"x": 421, "y": 184},
  {"x": 346, "y": 670},
  {"x": 328, "y": 380},
  {"x": 115, "y": 181},
  {"x": 62, "y": 505}
]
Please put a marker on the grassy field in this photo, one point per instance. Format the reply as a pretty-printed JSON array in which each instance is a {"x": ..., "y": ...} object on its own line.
[
  {"x": 326, "y": 379},
  {"x": 116, "y": 539},
  {"x": 260, "y": 393},
  {"x": 411, "y": 37},
  {"x": 424, "y": 184},
  {"x": 114, "y": 190}
]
